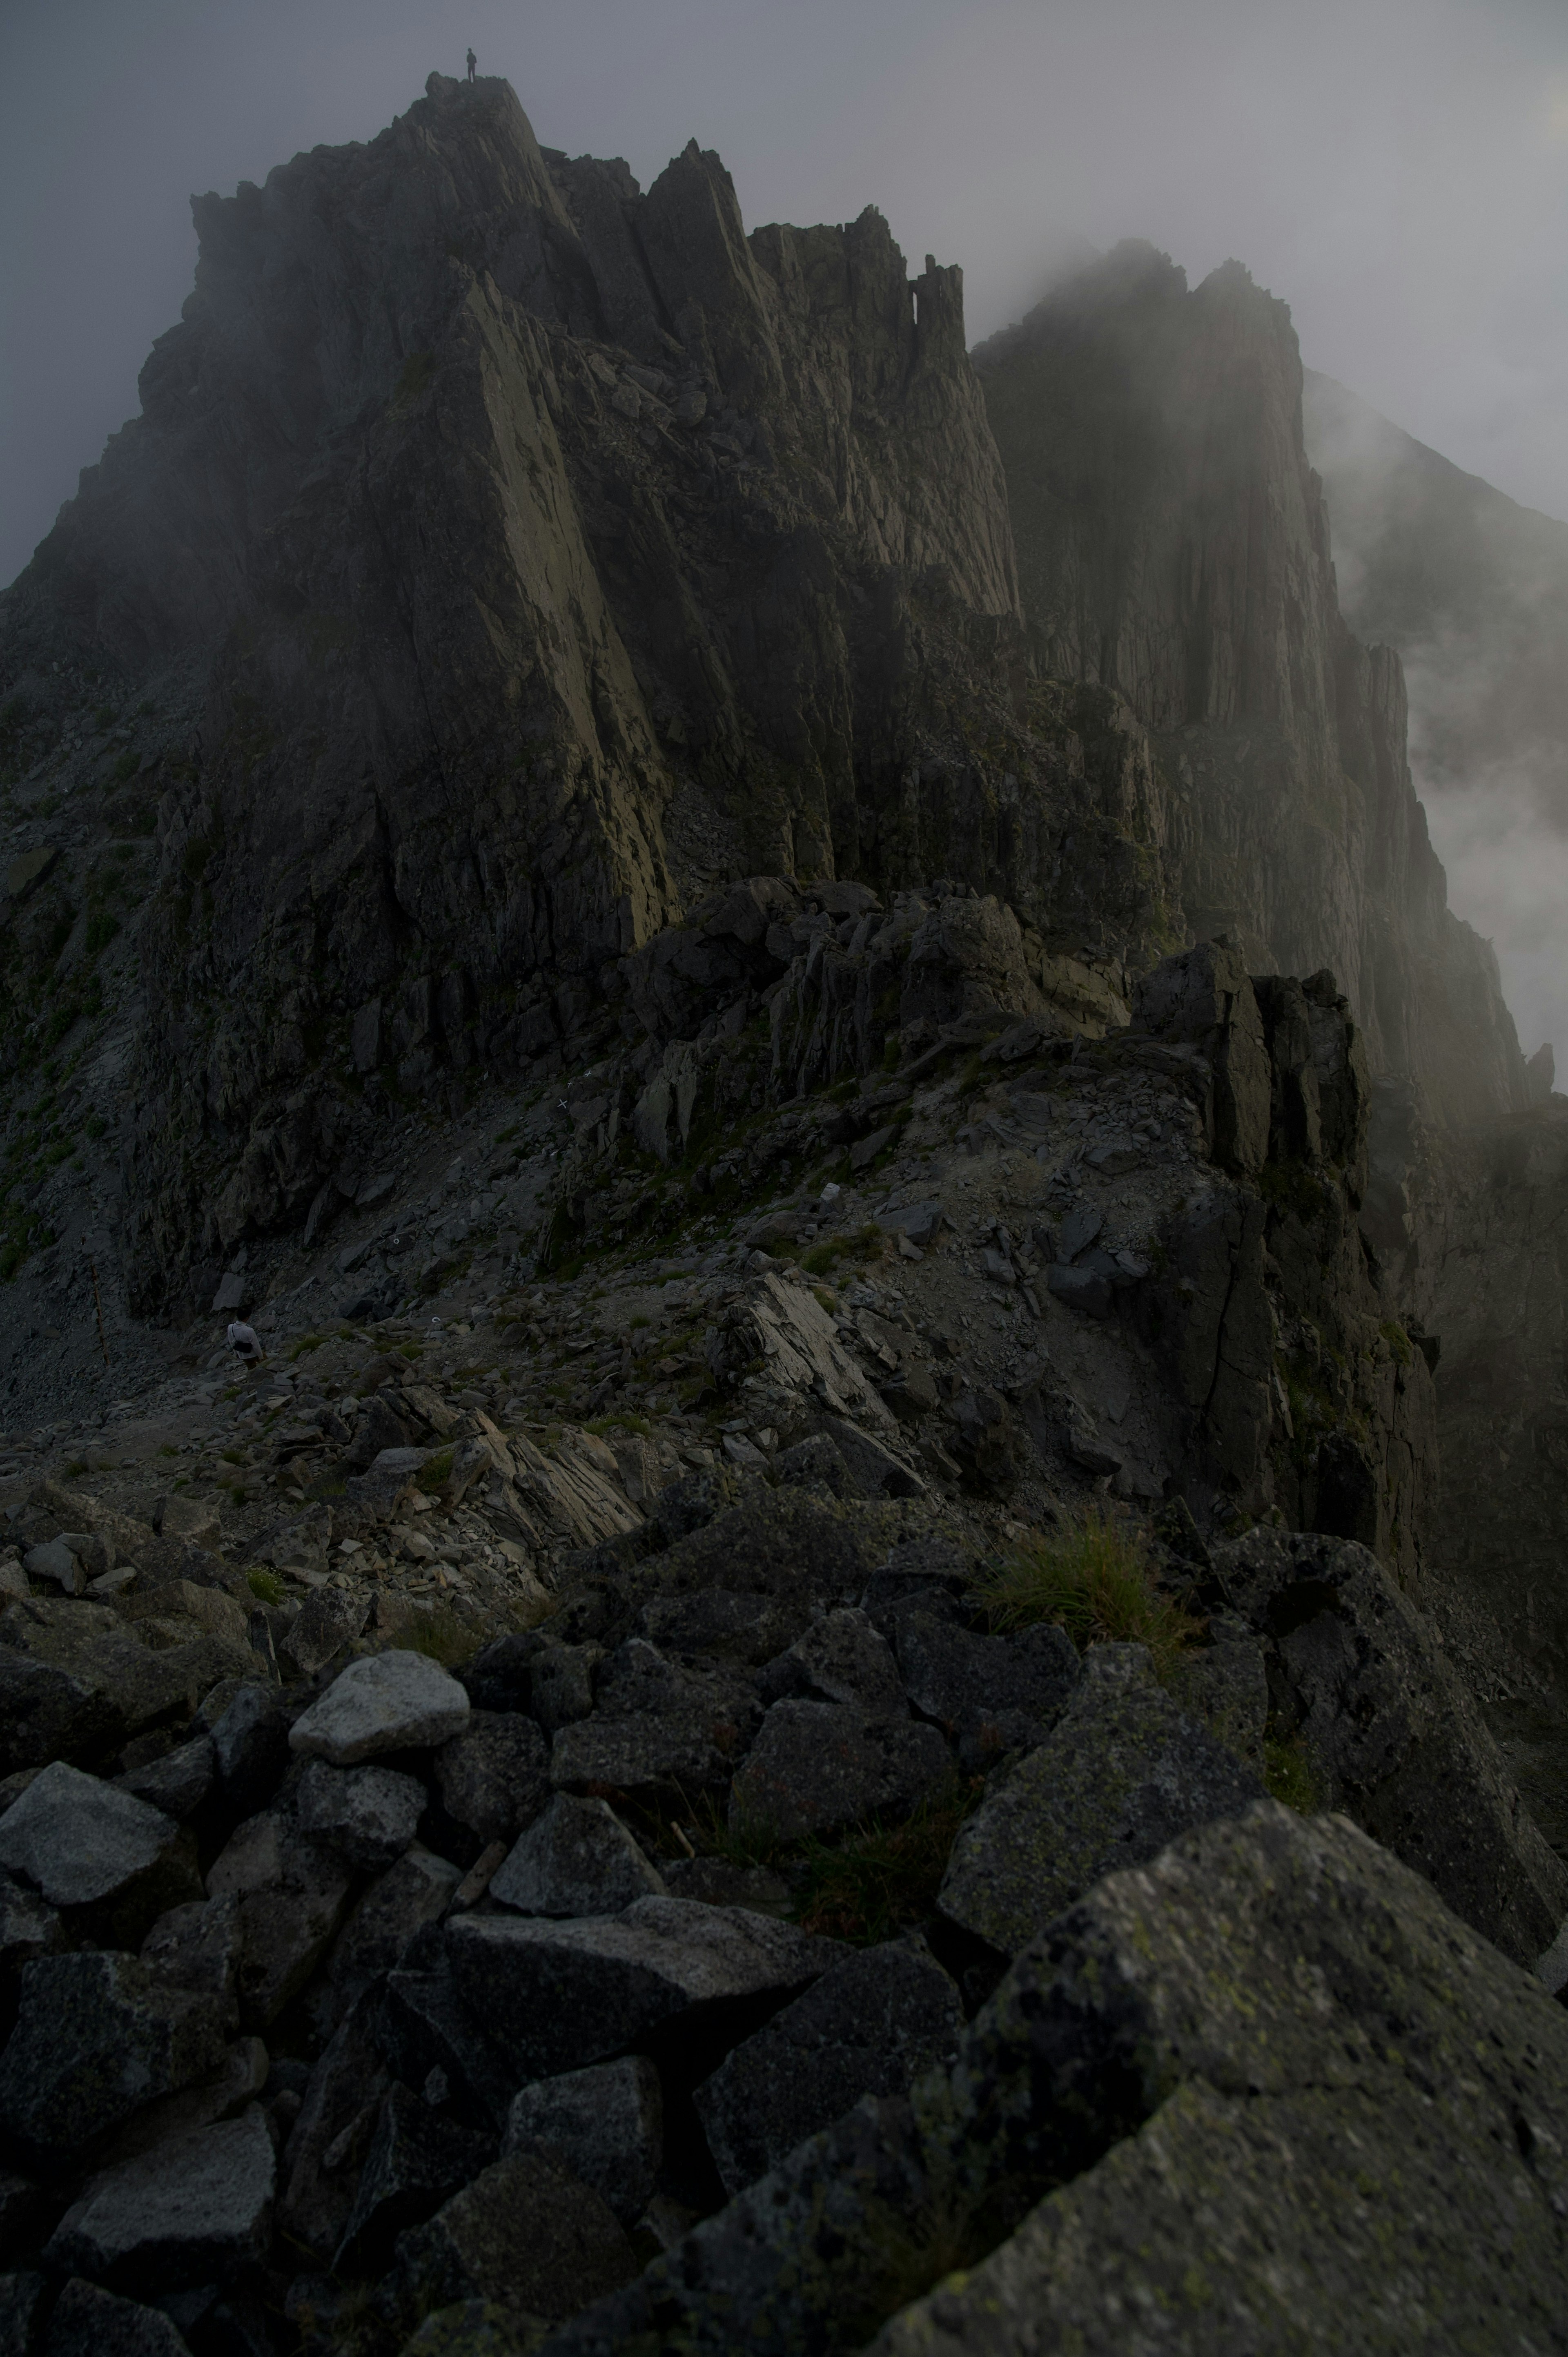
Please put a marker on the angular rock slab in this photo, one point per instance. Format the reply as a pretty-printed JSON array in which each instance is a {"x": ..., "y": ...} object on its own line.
[
  {"x": 553, "y": 1996},
  {"x": 383, "y": 1702},
  {"x": 291, "y": 1893},
  {"x": 178, "y": 1782},
  {"x": 818, "y": 1767},
  {"x": 415, "y": 1891},
  {"x": 869, "y": 2027},
  {"x": 415, "y": 2161},
  {"x": 368, "y": 1816},
  {"x": 1390, "y": 1733},
  {"x": 577, "y": 1859},
  {"x": 495, "y": 1776},
  {"x": 1122, "y": 1773},
  {"x": 89, "y": 2321},
  {"x": 1248, "y": 2077},
  {"x": 79, "y": 1841},
  {"x": 605, "y": 2125},
  {"x": 525, "y": 2233},
  {"x": 194, "y": 2210},
  {"x": 96, "y": 2038}
]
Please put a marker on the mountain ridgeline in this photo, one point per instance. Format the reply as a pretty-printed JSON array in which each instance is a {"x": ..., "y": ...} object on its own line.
[{"x": 539, "y": 552}]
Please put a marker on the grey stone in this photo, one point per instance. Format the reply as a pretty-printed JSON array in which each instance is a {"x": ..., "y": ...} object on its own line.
[
  {"x": 291, "y": 1894},
  {"x": 919, "y": 1221},
  {"x": 1226, "y": 1684},
  {"x": 557, "y": 1996},
  {"x": 995, "y": 1694},
  {"x": 1081, "y": 1288},
  {"x": 717, "y": 1621},
  {"x": 416, "y": 1890},
  {"x": 74, "y": 1680},
  {"x": 494, "y": 1778},
  {"x": 199, "y": 1947},
  {"x": 178, "y": 1782},
  {"x": 1392, "y": 1737},
  {"x": 869, "y": 2027},
  {"x": 89, "y": 2321},
  {"x": 368, "y": 1816},
  {"x": 414, "y": 2162},
  {"x": 383, "y": 1702},
  {"x": 526, "y": 2234},
  {"x": 562, "y": 1684},
  {"x": 425, "y": 2023},
  {"x": 331, "y": 1618},
  {"x": 194, "y": 2210},
  {"x": 96, "y": 2037},
  {"x": 575, "y": 1860},
  {"x": 839, "y": 1658},
  {"x": 477, "y": 2327},
  {"x": 655, "y": 1723},
  {"x": 722, "y": 1883},
  {"x": 24, "y": 2303},
  {"x": 54, "y": 1561},
  {"x": 250, "y": 1744},
  {"x": 604, "y": 2124},
  {"x": 1122, "y": 1773},
  {"x": 81, "y": 1842},
  {"x": 323, "y": 2153},
  {"x": 874, "y": 1470},
  {"x": 28, "y": 1928},
  {"x": 818, "y": 1767}
]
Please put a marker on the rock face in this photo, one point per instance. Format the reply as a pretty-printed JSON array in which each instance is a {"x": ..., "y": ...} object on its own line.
[
  {"x": 1205, "y": 595},
  {"x": 655, "y": 400}
]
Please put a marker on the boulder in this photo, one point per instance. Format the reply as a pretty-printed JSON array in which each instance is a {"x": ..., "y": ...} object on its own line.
[
  {"x": 291, "y": 1893},
  {"x": 368, "y": 1816},
  {"x": 839, "y": 1658},
  {"x": 194, "y": 2210},
  {"x": 1123, "y": 1771},
  {"x": 604, "y": 2124},
  {"x": 250, "y": 1745},
  {"x": 383, "y": 1702},
  {"x": 96, "y": 2037},
  {"x": 23, "y": 2304},
  {"x": 55, "y": 1562},
  {"x": 968, "y": 1684},
  {"x": 85, "y": 1843},
  {"x": 575, "y": 1860},
  {"x": 1226, "y": 1683},
  {"x": 415, "y": 2160},
  {"x": 869, "y": 2027},
  {"x": 414, "y": 1891},
  {"x": 199, "y": 1947},
  {"x": 817, "y": 1767},
  {"x": 426, "y": 2024},
  {"x": 526, "y": 2234},
  {"x": 75, "y": 1683},
  {"x": 88, "y": 2321},
  {"x": 557, "y": 1996},
  {"x": 330, "y": 1618},
  {"x": 655, "y": 1723},
  {"x": 28, "y": 1928},
  {"x": 331, "y": 2134},
  {"x": 562, "y": 1684},
  {"x": 494, "y": 1778},
  {"x": 1390, "y": 1736},
  {"x": 721, "y": 1623},
  {"x": 178, "y": 1782}
]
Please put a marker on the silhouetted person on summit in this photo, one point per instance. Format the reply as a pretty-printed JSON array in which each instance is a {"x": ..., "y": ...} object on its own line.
[{"x": 472, "y": 63}]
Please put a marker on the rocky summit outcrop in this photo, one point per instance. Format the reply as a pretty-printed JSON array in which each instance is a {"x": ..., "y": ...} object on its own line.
[{"x": 1202, "y": 590}]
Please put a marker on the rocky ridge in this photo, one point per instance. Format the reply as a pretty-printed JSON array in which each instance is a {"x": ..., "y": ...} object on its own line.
[{"x": 438, "y": 1821}]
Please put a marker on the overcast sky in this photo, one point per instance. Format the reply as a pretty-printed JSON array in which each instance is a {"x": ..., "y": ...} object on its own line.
[{"x": 1396, "y": 170}]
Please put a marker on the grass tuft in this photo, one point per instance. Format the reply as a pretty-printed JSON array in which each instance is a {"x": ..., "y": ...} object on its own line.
[
  {"x": 266, "y": 1587},
  {"x": 867, "y": 1886},
  {"x": 1096, "y": 1581}
]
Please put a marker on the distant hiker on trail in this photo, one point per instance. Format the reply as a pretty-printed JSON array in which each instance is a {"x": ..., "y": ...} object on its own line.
[
  {"x": 472, "y": 63},
  {"x": 246, "y": 1343}
]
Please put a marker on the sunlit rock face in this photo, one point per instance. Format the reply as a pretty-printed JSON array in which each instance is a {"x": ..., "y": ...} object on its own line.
[{"x": 1172, "y": 544}]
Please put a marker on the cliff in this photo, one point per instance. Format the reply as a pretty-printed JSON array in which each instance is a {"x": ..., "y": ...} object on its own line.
[{"x": 1172, "y": 544}]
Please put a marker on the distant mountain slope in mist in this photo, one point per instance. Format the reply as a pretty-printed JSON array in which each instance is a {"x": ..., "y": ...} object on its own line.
[{"x": 1470, "y": 586}]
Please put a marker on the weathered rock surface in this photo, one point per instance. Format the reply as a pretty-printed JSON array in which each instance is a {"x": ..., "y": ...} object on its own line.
[
  {"x": 1123, "y": 1771},
  {"x": 604, "y": 2124},
  {"x": 88, "y": 2321},
  {"x": 525, "y": 2233},
  {"x": 195, "y": 2208},
  {"x": 555, "y": 1997},
  {"x": 384, "y": 1702},
  {"x": 96, "y": 2037},
  {"x": 291, "y": 1893},
  {"x": 81, "y": 1843},
  {"x": 368, "y": 1816},
  {"x": 495, "y": 1776},
  {"x": 869, "y": 2027},
  {"x": 577, "y": 1858},
  {"x": 817, "y": 1767}
]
